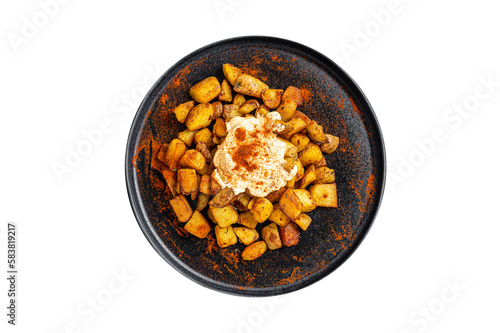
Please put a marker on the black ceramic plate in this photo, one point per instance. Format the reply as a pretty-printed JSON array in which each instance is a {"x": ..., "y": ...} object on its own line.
[{"x": 330, "y": 97}]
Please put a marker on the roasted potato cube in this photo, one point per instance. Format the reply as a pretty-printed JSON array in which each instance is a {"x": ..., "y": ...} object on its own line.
[
  {"x": 295, "y": 94},
  {"x": 248, "y": 85},
  {"x": 272, "y": 97},
  {"x": 242, "y": 202},
  {"x": 181, "y": 111},
  {"x": 231, "y": 111},
  {"x": 300, "y": 170},
  {"x": 226, "y": 94},
  {"x": 205, "y": 184},
  {"x": 271, "y": 235},
  {"x": 225, "y": 236},
  {"x": 262, "y": 111},
  {"x": 303, "y": 221},
  {"x": 207, "y": 169},
  {"x": 239, "y": 99},
  {"x": 246, "y": 235},
  {"x": 197, "y": 225},
  {"x": 286, "y": 109},
  {"x": 193, "y": 159},
  {"x": 302, "y": 116},
  {"x": 315, "y": 132},
  {"x": 220, "y": 129},
  {"x": 291, "y": 150},
  {"x": 223, "y": 198},
  {"x": 200, "y": 117},
  {"x": 289, "y": 163},
  {"x": 261, "y": 208},
  {"x": 309, "y": 176},
  {"x": 254, "y": 250},
  {"x": 300, "y": 140},
  {"x": 249, "y": 106},
  {"x": 217, "y": 109},
  {"x": 278, "y": 217},
  {"x": 297, "y": 125},
  {"x": 187, "y": 180},
  {"x": 290, "y": 204},
  {"x": 289, "y": 234},
  {"x": 181, "y": 208},
  {"x": 231, "y": 73},
  {"x": 325, "y": 195},
  {"x": 224, "y": 216},
  {"x": 330, "y": 145},
  {"x": 324, "y": 175},
  {"x": 321, "y": 163},
  {"x": 195, "y": 193},
  {"x": 175, "y": 151},
  {"x": 161, "y": 154},
  {"x": 291, "y": 183},
  {"x": 204, "y": 135},
  {"x": 202, "y": 201},
  {"x": 275, "y": 195},
  {"x": 203, "y": 149},
  {"x": 171, "y": 179},
  {"x": 310, "y": 155},
  {"x": 308, "y": 202},
  {"x": 187, "y": 137},
  {"x": 247, "y": 219},
  {"x": 214, "y": 186},
  {"x": 205, "y": 90}
]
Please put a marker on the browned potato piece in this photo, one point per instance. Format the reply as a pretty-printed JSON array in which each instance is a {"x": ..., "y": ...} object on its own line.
[
  {"x": 302, "y": 116},
  {"x": 246, "y": 235},
  {"x": 330, "y": 145},
  {"x": 207, "y": 169},
  {"x": 205, "y": 90},
  {"x": 202, "y": 201},
  {"x": 171, "y": 179},
  {"x": 187, "y": 137},
  {"x": 247, "y": 219},
  {"x": 197, "y": 225},
  {"x": 289, "y": 163},
  {"x": 275, "y": 195},
  {"x": 303, "y": 221},
  {"x": 204, "y": 135},
  {"x": 321, "y": 163},
  {"x": 254, "y": 250},
  {"x": 195, "y": 193},
  {"x": 203, "y": 149},
  {"x": 205, "y": 184},
  {"x": 214, "y": 186},
  {"x": 223, "y": 198},
  {"x": 311, "y": 154},
  {"x": 289, "y": 234},
  {"x": 231, "y": 111},
  {"x": 272, "y": 97},
  {"x": 175, "y": 151},
  {"x": 315, "y": 132},
  {"x": 308, "y": 202},
  {"x": 271, "y": 235},
  {"x": 295, "y": 94},
  {"x": 291, "y": 183},
  {"x": 239, "y": 99},
  {"x": 231, "y": 73},
  {"x": 297, "y": 125},
  {"x": 284, "y": 130},
  {"x": 220, "y": 129},
  {"x": 287, "y": 109},
  {"x": 181, "y": 111},
  {"x": 200, "y": 116},
  {"x": 161, "y": 153},
  {"x": 242, "y": 202},
  {"x": 324, "y": 175},
  {"x": 309, "y": 176},
  {"x": 224, "y": 216},
  {"x": 217, "y": 109},
  {"x": 249, "y": 106},
  {"x": 291, "y": 150},
  {"x": 225, "y": 236},
  {"x": 290, "y": 204},
  {"x": 262, "y": 110},
  {"x": 278, "y": 217},
  {"x": 226, "y": 94},
  {"x": 300, "y": 170},
  {"x": 249, "y": 85},
  {"x": 261, "y": 208},
  {"x": 325, "y": 195},
  {"x": 187, "y": 180},
  {"x": 181, "y": 208},
  {"x": 193, "y": 159}
]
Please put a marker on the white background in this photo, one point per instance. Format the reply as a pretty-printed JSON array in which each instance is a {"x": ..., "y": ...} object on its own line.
[{"x": 430, "y": 262}]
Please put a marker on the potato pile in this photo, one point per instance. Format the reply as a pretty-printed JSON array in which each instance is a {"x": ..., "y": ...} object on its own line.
[{"x": 186, "y": 163}]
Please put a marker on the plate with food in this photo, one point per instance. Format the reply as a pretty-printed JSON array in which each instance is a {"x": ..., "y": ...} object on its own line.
[{"x": 255, "y": 166}]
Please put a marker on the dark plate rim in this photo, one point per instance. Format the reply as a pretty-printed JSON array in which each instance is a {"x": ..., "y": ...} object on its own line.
[{"x": 156, "y": 242}]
